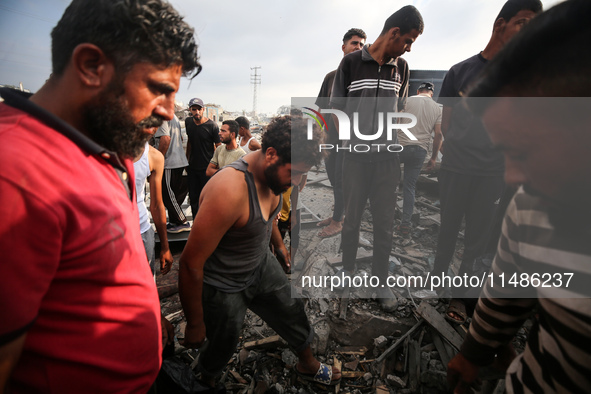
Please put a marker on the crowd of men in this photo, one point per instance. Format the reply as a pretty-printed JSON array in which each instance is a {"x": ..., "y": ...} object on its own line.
[{"x": 78, "y": 303}]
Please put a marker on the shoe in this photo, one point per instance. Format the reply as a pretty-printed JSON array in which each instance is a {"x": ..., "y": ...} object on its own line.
[
  {"x": 178, "y": 228},
  {"x": 387, "y": 300},
  {"x": 404, "y": 231}
]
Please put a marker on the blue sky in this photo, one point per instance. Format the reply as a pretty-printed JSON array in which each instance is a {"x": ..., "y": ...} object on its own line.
[{"x": 295, "y": 43}]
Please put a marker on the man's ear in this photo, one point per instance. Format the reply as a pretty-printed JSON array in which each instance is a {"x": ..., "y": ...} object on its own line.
[
  {"x": 271, "y": 156},
  {"x": 91, "y": 65},
  {"x": 499, "y": 25},
  {"x": 393, "y": 32}
]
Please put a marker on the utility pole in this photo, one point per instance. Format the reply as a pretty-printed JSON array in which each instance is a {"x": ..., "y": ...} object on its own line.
[{"x": 255, "y": 80}]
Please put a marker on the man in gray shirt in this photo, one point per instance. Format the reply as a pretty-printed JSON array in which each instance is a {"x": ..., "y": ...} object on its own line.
[{"x": 174, "y": 184}]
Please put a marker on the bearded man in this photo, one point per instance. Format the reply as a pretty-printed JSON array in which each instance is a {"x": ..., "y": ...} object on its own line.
[{"x": 79, "y": 307}]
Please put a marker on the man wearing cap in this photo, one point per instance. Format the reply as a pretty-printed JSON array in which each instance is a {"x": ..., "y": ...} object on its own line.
[
  {"x": 413, "y": 155},
  {"x": 204, "y": 138},
  {"x": 174, "y": 184}
]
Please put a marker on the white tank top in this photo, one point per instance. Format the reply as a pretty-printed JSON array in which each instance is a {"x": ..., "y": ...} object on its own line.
[
  {"x": 245, "y": 147},
  {"x": 142, "y": 171}
]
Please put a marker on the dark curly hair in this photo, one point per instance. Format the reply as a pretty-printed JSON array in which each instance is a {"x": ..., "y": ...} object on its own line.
[
  {"x": 288, "y": 134},
  {"x": 128, "y": 32}
]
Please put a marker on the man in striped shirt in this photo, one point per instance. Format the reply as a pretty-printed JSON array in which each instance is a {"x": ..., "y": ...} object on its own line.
[{"x": 540, "y": 119}]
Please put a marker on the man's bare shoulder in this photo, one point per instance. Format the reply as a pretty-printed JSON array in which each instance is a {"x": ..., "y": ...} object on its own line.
[
  {"x": 155, "y": 157},
  {"x": 228, "y": 184}
]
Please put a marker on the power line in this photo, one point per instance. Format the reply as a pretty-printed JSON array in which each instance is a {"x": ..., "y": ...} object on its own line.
[{"x": 24, "y": 13}]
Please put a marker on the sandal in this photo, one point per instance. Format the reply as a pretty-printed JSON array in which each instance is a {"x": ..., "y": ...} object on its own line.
[
  {"x": 322, "y": 376},
  {"x": 457, "y": 307}
]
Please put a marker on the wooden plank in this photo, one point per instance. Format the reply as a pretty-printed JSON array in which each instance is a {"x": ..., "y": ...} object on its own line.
[
  {"x": 267, "y": 343},
  {"x": 352, "y": 374},
  {"x": 399, "y": 341},
  {"x": 337, "y": 363},
  {"x": 414, "y": 365},
  {"x": 440, "y": 348},
  {"x": 237, "y": 377},
  {"x": 353, "y": 350},
  {"x": 437, "y": 321}
]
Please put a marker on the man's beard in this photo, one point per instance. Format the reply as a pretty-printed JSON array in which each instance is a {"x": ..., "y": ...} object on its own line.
[
  {"x": 273, "y": 180},
  {"x": 108, "y": 122}
]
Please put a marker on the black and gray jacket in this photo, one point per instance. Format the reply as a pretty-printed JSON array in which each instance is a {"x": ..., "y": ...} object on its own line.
[{"x": 364, "y": 87}]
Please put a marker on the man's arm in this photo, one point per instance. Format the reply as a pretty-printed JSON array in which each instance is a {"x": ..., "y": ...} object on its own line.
[
  {"x": 157, "y": 209},
  {"x": 163, "y": 144},
  {"x": 209, "y": 227},
  {"x": 211, "y": 169},
  {"x": 283, "y": 255},
  {"x": 9, "y": 355},
  {"x": 254, "y": 145},
  {"x": 437, "y": 140},
  {"x": 163, "y": 135},
  {"x": 496, "y": 304},
  {"x": 213, "y": 166}
]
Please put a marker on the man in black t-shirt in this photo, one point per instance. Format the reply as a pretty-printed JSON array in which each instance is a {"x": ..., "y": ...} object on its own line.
[
  {"x": 471, "y": 175},
  {"x": 203, "y": 137}
]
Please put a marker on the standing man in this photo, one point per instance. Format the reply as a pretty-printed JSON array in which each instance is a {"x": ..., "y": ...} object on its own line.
[
  {"x": 353, "y": 40},
  {"x": 248, "y": 143},
  {"x": 540, "y": 120},
  {"x": 227, "y": 266},
  {"x": 204, "y": 138},
  {"x": 471, "y": 174},
  {"x": 78, "y": 304},
  {"x": 227, "y": 153},
  {"x": 413, "y": 155},
  {"x": 174, "y": 184},
  {"x": 150, "y": 166},
  {"x": 368, "y": 84}
]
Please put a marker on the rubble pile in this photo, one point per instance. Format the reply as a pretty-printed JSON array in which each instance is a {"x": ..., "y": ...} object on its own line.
[{"x": 401, "y": 352}]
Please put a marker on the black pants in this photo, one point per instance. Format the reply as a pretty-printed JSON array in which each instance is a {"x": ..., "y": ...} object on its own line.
[
  {"x": 334, "y": 170},
  {"x": 197, "y": 181},
  {"x": 476, "y": 198},
  {"x": 377, "y": 182},
  {"x": 174, "y": 192}
]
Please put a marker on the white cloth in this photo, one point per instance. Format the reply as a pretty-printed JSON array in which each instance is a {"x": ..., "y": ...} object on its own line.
[{"x": 142, "y": 171}]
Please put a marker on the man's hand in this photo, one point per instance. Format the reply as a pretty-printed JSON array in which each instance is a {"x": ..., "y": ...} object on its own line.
[
  {"x": 461, "y": 374},
  {"x": 284, "y": 258},
  {"x": 430, "y": 165},
  {"x": 166, "y": 261},
  {"x": 194, "y": 335},
  {"x": 167, "y": 332}
]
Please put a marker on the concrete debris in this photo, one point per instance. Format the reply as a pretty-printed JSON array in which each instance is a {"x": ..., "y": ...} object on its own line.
[{"x": 401, "y": 352}]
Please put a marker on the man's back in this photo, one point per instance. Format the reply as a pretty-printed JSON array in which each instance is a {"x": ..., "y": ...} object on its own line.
[{"x": 428, "y": 115}]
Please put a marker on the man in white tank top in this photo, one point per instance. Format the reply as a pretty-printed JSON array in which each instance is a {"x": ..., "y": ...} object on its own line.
[
  {"x": 248, "y": 143},
  {"x": 150, "y": 165}
]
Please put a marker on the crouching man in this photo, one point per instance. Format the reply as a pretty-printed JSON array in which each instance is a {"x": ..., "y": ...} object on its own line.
[{"x": 227, "y": 267}]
